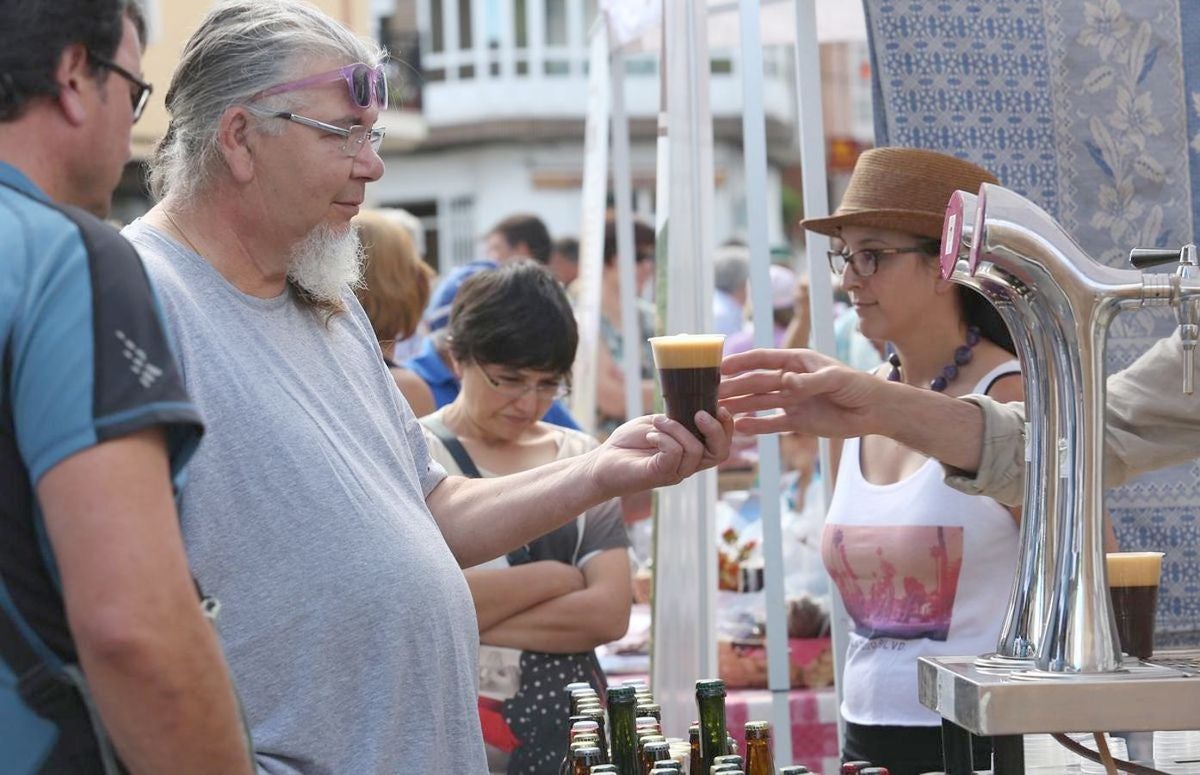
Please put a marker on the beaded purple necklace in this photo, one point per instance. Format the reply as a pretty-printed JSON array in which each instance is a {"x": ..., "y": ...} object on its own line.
[{"x": 962, "y": 356}]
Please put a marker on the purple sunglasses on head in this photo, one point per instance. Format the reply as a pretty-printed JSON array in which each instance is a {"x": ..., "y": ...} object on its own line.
[{"x": 366, "y": 84}]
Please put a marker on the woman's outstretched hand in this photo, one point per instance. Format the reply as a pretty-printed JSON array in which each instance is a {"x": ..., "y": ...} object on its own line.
[{"x": 813, "y": 393}]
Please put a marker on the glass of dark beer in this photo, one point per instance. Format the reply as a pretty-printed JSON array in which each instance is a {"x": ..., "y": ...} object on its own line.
[
  {"x": 689, "y": 372},
  {"x": 1133, "y": 583}
]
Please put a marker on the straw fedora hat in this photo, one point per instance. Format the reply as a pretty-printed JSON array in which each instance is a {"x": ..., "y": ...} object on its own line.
[{"x": 902, "y": 189}]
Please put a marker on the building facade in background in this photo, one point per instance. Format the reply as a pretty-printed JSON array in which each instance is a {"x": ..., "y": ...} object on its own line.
[{"x": 502, "y": 85}]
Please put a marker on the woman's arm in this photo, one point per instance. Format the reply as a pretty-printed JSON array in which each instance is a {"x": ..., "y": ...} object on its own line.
[
  {"x": 500, "y": 593},
  {"x": 578, "y": 621}
]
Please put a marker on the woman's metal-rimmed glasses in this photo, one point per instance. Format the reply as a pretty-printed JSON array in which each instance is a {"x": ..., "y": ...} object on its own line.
[
  {"x": 864, "y": 261},
  {"x": 139, "y": 96},
  {"x": 366, "y": 85},
  {"x": 356, "y": 135},
  {"x": 514, "y": 388}
]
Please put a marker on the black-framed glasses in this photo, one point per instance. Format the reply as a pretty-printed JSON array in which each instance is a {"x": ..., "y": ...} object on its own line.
[
  {"x": 515, "y": 387},
  {"x": 139, "y": 96},
  {"x": 864, "y": 261},
  {"x": 356, "y": 135}
]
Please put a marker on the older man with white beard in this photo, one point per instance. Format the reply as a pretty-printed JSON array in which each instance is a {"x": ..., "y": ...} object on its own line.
[{"x": 313, "y": 510}]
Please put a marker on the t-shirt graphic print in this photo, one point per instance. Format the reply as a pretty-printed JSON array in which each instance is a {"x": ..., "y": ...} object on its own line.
[{"x": 896, "y": 581}]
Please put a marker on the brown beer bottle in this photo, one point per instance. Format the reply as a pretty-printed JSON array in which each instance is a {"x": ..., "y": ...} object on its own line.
[
  {"x": 583, "y": 758},
  {"x": 759, "y": 760},
  {"x": 710, "y": 700},
  {"x": 597, "y": 715},
  {"x": 654, "y": 751},
  {"x": 696, "y": 762}
]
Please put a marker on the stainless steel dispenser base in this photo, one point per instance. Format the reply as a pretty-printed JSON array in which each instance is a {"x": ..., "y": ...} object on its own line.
[{"x": 1157, "y": 695}]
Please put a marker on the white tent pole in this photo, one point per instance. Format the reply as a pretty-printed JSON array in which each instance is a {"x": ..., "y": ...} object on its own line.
[
  {"x": 754, "y": 145},
  {"x": 816, "y": 204},
  {"x": 631, "y": 331},
  {"x": 685, "y": 565},
  {"x": 591, "y": 238}
]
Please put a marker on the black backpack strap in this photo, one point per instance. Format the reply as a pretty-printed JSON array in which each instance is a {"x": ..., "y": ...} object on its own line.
[
  {"x": 437, "y": 427},
  {"x": 453, "y": 446}
]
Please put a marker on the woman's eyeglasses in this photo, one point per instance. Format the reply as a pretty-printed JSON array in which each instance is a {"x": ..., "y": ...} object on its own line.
[
  {"x": 864, "y": 261},
  {"x": 515, "y": 387},
  {"x": 139, "y": 95},
  {"x": 367, "y": 85}
]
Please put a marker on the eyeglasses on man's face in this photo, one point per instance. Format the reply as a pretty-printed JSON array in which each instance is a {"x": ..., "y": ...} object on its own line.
[
  {"x": 356, "y": 136},
  {"x": 140, "y": 93},
  {"x": 865, "y": 261},
  {"x": 513, "y": 387}
]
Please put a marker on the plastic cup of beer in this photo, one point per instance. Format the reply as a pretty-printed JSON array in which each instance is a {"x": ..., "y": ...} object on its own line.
[
  {"x": 689, "y": 373},
  {"x": 1133, "y": 583}
]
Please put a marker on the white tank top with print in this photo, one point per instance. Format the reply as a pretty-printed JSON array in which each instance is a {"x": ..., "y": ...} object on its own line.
[{"x": 923, "y": 570}]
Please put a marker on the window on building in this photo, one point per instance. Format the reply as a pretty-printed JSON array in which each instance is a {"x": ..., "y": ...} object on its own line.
[
  {"x": 462, "y": 230},
  {"x": 556, "y": 22},
  {"x": 465, "y": 39},
  {"x": 427, "y": 211},
  {"x": 520, "y": 25},
  {"x": 437, "y": 32}
]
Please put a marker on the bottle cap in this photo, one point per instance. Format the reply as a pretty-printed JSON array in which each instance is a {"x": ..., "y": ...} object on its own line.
[
  {"x": 730, "y": 758},
  {"x": 621, "y": 695},
  {"x": 710, "y": 687},
  {"x": 757, "y": 729}
]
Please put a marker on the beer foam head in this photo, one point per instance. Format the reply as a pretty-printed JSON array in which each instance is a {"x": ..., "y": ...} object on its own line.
[
  {"x": 1134, "y": 569},
  {"x": 688, "y": 351}
]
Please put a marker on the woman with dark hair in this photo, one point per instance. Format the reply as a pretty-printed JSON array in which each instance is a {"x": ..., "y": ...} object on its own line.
[
  {"x": 923, "y": 570},
  {"x": 544, "y": 608}
]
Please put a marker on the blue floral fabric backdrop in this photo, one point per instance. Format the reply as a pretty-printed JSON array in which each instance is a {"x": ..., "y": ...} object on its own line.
[{"x": 1092, "y": 110}]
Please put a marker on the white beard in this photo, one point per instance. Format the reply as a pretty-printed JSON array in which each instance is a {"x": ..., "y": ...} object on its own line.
[{"x": 325, "y": 262}]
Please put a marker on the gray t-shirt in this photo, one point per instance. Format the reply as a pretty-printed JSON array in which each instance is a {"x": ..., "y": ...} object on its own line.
[{"x": 347, "y": 623}]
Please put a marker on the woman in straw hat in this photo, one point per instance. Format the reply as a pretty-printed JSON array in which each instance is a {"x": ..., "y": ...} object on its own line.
[{"x": 924, "y": 570}]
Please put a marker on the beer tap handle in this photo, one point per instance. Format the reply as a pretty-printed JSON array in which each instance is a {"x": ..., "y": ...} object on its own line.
[
  {"x": 1188, "y": 313},
  {"x": 1144, "y": 258}
]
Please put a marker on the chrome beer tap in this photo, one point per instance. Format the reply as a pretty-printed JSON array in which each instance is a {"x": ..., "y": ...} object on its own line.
[
  {"x": 1029, "y": 600},
  {"x": 1081, "y": 296},
  {"x": 1185, "y": 285}
]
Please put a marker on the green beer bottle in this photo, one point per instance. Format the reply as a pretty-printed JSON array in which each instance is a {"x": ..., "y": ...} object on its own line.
[
  {"x": 710, "y": 700},
  {"x": 621, "y": 709}
]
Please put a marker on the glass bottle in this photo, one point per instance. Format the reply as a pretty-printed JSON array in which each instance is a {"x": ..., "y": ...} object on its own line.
[
  {"x": 598, "y": 715},
  {"x": 623, "y": 751},
  {"x": 710, "y": 700},
  {"x": 583, "y": 758},
  {"x": 650, "y": 709},
  {"x": 696, "y": 762},
  {"x": 759, "y": 760},
  {"x": 654, "y": 751}
]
